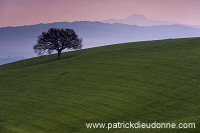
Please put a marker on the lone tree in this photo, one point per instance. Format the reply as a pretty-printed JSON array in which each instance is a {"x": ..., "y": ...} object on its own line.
[{"x": 57, "y": 39}]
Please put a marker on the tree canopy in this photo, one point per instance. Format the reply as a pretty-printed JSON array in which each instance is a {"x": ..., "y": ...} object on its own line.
[{"x": 57, "y": 39}]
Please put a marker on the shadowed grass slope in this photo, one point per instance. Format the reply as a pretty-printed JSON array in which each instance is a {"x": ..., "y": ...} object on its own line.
[
  {"x": 51, "y": 58},
  {"x": 145, "y": 81}
]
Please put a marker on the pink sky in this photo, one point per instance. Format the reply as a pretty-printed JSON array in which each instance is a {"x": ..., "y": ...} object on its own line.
[{"x": 28, "y": 12}]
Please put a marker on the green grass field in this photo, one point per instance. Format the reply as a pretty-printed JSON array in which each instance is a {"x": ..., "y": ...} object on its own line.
[{"x": 143, "y": 81}]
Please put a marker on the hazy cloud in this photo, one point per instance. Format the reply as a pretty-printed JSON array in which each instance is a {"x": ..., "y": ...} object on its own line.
[{"x": 26, "y": 12}]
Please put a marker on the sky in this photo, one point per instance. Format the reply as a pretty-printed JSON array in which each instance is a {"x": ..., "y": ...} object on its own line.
[{"x": 29, "y": 12}]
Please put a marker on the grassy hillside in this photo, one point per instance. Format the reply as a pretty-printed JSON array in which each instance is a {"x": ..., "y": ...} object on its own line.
[
  {"x": 145, "y": 81},
  {"x": 85, "y": 52}
]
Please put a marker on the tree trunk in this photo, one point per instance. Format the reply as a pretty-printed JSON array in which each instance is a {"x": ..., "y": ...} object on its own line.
[{"x": 59, "y": 53}]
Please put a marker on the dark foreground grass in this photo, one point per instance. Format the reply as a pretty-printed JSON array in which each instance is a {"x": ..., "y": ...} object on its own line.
[{"x": 146, "y": 81}]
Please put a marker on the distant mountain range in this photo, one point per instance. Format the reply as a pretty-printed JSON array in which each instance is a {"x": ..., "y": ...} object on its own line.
[
  {"x": 139, "y": 20},
  {"x": 18, "y": 41}
]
